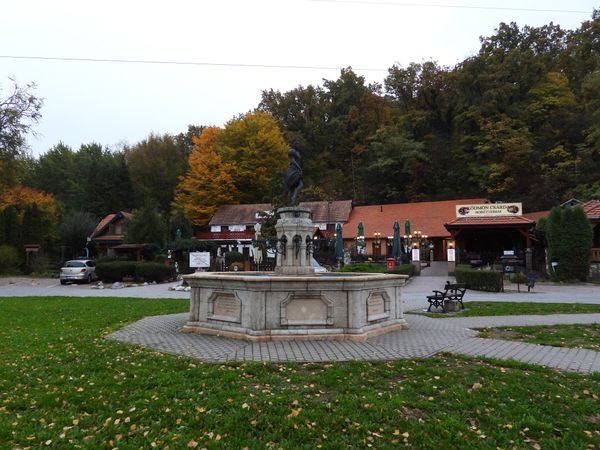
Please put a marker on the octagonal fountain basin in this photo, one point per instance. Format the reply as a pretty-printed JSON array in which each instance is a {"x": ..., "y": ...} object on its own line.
[{"x": 262, "y": 306}]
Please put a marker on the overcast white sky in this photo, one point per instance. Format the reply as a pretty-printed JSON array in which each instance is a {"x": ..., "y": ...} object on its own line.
[{"x": 110, "y": 103}]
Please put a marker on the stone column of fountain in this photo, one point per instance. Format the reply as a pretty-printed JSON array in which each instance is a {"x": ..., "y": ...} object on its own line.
[{"x": 294, "y": 230}]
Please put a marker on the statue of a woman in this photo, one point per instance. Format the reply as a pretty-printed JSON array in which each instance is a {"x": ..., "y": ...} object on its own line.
[{"x": 293, "y": 176}]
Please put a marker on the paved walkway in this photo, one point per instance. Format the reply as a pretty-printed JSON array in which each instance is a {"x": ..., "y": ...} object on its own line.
[{"x": 426, "y": 337}]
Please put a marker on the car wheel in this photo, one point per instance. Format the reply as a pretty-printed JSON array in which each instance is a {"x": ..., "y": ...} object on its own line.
[
  {"x": 89, "y": 278},
  {"x": 63, "y": 281}
]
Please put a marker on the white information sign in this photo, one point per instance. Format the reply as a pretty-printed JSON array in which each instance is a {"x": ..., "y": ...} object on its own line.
[
  {"x": 451, "y": 254},
  {"x": 200, "y": 259},
  {"x": 490, "y": 210},
  {"x": 416, "y": 255}
]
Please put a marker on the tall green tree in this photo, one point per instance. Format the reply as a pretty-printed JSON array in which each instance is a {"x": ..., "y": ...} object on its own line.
[
  {"x": 105, "y": 186},
  {"x": 179, "y": 226},
  {"x": 569, "y": 236},
  {"x": 56, "y": 171},
  {"x": 155, "y": 165},
  {"x": 333, "y": 124},
  {"x": 74, "y": 230},
  {"x": 396, "y": 168},
  {"x": 32, "y": 226},
  {"x": 93, "y": 179},
  {"x": 12, "y": 228},
  {"x": 147, "y": 226}
]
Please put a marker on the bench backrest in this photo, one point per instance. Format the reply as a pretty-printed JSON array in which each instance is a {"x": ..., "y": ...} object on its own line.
[{"x": 454, "y": 286}]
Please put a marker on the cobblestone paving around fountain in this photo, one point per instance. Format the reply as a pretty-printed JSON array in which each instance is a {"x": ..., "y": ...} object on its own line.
[{"x": 426, "y": 337}]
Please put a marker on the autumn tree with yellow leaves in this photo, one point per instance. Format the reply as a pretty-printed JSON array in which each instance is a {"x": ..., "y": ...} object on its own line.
[{"x": 240, "y": 163}]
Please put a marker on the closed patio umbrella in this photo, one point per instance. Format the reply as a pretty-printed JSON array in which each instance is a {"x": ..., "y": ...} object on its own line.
[
  {"x": 360, "y": 239},
  {"x": 339, "y": 243},
  {"x": 396, "y": 241}
]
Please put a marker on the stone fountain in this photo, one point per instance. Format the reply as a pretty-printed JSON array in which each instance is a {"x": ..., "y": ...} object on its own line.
[{"x": 294, "y": 303}]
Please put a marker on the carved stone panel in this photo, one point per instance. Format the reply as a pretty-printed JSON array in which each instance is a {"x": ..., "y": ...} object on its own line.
[
  {"x": 306, "y": 309},
  {"x": 378, "y": 306},
  {"x": 225, "y": 306}
]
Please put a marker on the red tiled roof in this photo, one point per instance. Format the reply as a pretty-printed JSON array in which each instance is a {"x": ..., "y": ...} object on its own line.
[
  {"x": 323, "y": 212},
  {"x": 108, "y": 219},
  {"x": 427, "y": 217},
  {"x": 329, "y": 212},
  {"x": 490, "y": 221},
  {"x": 238, "y": 214},
  {"x": 592, "y": 209},
  {"x": 104, "y": 222},
  {"x": 537, "y": 215}
]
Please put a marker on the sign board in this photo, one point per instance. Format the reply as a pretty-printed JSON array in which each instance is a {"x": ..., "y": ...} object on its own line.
[
  {"x": 416, "y": 255},
  {"x": 490, "y": 210},
  {"x": 199, "y": 259},
  {"x": 451, "y": 254}
]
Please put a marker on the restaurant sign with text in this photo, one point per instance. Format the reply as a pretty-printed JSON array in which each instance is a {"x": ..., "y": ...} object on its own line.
[{"x": 490, "y": 210}]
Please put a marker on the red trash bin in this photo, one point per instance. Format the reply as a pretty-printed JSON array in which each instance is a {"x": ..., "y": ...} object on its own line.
[{"x": 391, "y": 263}]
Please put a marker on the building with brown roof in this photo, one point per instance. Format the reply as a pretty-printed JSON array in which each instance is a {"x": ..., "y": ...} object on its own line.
[
  {"x": 110, "y": 233},
  {"x": 486, "y": 240},
  {"x": 592, "y": 211},
  {"x": 426, "y": 219},
  {"x": 233, "y": 226}
]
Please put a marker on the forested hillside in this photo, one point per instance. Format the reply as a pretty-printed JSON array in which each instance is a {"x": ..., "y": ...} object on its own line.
[{"x": 519, "y": 121}]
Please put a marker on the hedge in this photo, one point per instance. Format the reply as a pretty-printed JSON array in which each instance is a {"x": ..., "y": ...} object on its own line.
[
  {"x": 115, "y": 270},
  {"x": 363, "y": 267},
  {"x": 140, "y": 271},
  {"x": 151, "y": 271},
  {"x": 479, "y": 280},
  {"x": 403, "y": 269}
]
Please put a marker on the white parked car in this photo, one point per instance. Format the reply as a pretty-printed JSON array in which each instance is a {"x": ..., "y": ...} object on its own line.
[{"x": 78, "y": 270}]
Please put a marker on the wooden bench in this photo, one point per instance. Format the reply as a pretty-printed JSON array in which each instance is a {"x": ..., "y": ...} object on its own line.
[{"x": 453, "y": 292}]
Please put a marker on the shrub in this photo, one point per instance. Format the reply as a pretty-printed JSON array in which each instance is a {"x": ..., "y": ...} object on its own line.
[
  {"x": 363, "y": 267},
  {"x": 404, "y": 269},
  {"x": 105, "y": 259},
  {"x": 232, "y": 257},
  {"x": 9, "y": 258},
  {"x": 480, "y": 280},
  {"x": 519, "y": 278},
  {"x": 151, "y": 271},
  {"x": 141, "y": 271},
  {"x": 116, "y": 270}
]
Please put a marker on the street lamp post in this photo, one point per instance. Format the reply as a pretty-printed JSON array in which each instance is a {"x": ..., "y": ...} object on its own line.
[{"x": 377, "y": 243}]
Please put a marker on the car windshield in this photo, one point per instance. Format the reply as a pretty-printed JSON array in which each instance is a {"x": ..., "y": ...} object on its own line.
[{"x": 75, "y": 264}]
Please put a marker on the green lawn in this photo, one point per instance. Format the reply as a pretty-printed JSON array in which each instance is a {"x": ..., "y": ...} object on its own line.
[
  {"x": 64, "y": 386},
  {"x": 577, "y": 336},
  {"x": 475, "y": 309}
]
